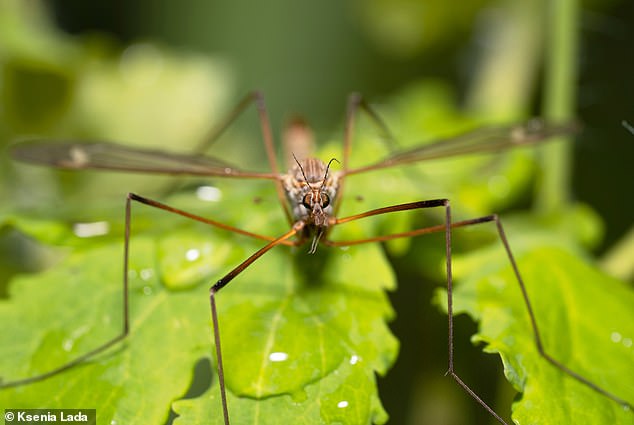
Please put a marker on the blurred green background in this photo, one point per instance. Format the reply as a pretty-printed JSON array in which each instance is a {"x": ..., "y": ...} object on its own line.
[
  {"x": 307, "y": 56},
  {"x": 60, "y": 65}
]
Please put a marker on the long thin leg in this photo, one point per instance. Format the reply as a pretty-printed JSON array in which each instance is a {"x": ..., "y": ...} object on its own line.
[
  {"x": 282, "y": 240},
  {"x": 356, "y": 103},
  {"x": 126, "y": 255},
  {"x": 348, "y": 131},
  {"x": 536, "y": 333},
  {"x": 351, "y": 110},
  {"x": 214, "y": 313},
  {"x": 126, "y": 316},
  {"x": 531, "y": 314},
  {"x": 447, "y": 226},
  {"x": 165, "y": 207},
  {"x": 267, "y": 137},
  {"x": 520, "y": 281},
  {"x": 218, "y": 130}
]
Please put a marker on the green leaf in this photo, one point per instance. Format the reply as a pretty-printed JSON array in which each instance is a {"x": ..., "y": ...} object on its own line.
[
  {"x": 303, "y": 333},
  {"x": 75, "y": 306},
  {"x": 585, "y": 319},
  {"x": 344, "y": 396}
]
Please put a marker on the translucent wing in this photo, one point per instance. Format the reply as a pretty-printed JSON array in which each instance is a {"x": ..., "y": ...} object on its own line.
[
  {"x": 111, "y": 156},
  {"x": 485, "y": 139}
]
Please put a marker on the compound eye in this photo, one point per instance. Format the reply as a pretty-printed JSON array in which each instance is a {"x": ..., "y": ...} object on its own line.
[
  {"x": 306, "y": 202},
  {"x": 325, "y": 200}
]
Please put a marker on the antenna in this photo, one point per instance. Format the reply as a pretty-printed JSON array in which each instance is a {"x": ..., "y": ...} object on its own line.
[
  {"x": 302, "y": 170},
  {"x": 326, "y": 173}
]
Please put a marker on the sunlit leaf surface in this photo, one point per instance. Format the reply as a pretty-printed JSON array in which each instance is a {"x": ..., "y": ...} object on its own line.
[
  {"x": 304, "y": 333},
  {"x": 585, "y": 319}
]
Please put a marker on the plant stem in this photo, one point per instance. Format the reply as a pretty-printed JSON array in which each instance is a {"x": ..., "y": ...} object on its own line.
[
  {"x": 512, "y": 50},
  {"x": 552, "y": 191}
]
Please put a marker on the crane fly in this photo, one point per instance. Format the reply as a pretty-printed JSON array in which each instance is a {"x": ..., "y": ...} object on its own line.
[{"x": 310, "y": 195}]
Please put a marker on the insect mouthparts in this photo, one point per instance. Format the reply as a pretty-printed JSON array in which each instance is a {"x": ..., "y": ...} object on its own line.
[{"x": 315, "y": 242}]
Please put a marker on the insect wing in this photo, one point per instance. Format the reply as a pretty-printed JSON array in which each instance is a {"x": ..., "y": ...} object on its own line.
[
  {"x": 111, "y": 156},
  {"x": 485, "y": 139}
]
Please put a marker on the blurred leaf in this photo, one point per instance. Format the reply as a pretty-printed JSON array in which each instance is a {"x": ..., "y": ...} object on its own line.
[
  {"x": 178, "y": 94},
  {"x": 57, "y": 86},
  {"x": 406, "y": 27},
  {"x": 47, "y": 231},
  {"x": 36, "y": 94},
  {"x": 585, "y": 320}
]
